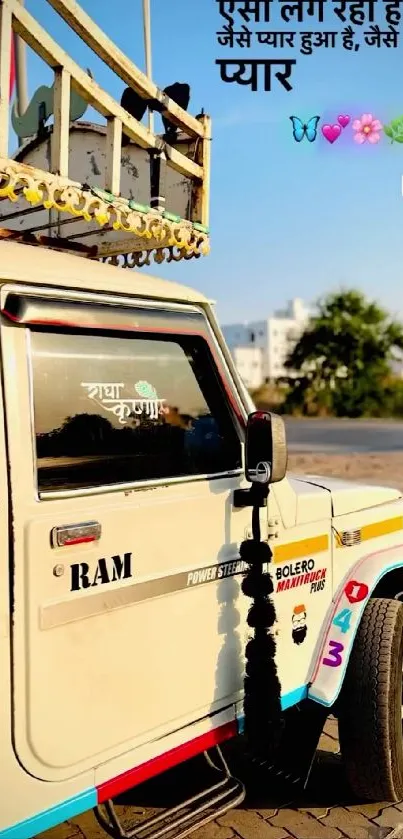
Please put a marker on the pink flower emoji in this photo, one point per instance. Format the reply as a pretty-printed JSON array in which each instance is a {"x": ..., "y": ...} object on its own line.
[{"x": 367, "y": 128}]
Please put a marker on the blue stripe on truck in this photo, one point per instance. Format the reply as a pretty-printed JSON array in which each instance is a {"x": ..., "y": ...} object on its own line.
[
  {"x": 29, "y": 828},
  {"x": 59, "y": 813}
]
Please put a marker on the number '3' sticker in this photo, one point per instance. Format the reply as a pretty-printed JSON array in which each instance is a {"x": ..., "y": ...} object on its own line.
[{"x": 334, "y": 657}]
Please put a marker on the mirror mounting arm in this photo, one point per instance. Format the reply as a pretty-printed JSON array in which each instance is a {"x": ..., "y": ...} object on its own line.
[{"x": 255, "y": 495}]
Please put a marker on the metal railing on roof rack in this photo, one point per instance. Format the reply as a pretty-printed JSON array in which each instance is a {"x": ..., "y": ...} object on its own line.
[{"x": 69, "y": 76}]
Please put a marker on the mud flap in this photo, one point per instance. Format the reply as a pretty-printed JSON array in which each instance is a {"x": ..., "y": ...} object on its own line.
[
  {"x": 287, "y": 772},
  {"x": 299, "y": 741}
]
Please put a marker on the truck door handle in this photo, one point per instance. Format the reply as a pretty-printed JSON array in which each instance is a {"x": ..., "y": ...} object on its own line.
[{"x": 75, "y": 534}]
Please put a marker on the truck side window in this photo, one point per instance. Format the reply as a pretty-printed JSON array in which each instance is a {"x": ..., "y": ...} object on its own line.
[{"x": 114, "y": 409}]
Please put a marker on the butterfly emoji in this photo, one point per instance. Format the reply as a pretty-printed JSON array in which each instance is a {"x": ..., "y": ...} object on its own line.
[{"x": 301, "y": 129}]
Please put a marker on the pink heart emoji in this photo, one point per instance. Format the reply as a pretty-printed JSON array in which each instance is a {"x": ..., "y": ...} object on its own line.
[
  {"x": 343, "y": 120},
  {"x": 331, "y": 132}
]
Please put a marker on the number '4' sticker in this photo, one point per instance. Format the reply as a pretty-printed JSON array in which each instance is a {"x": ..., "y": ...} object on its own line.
[{"x": 343, "y": 620}]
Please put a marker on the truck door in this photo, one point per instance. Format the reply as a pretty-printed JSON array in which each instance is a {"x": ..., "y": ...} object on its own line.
[{"x": 124, "y": 442}]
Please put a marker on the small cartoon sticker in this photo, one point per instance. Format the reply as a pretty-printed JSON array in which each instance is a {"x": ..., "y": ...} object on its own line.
[{"x": 299, "y": 625}]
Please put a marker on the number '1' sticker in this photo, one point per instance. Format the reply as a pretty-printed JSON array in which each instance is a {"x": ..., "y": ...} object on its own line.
[
  {"x": 334, "y": 657},
  {"x": 356, "y": 592}
]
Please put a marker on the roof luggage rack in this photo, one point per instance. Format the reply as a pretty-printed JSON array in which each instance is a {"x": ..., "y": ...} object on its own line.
[{"x": 118, "y": 192}]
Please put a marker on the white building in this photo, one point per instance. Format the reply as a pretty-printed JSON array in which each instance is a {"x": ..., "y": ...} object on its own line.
[
  {"x": 273, "y": 338},
  {"x": 249, "y": 363}
]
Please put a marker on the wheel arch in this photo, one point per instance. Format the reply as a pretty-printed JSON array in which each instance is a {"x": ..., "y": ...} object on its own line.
[
  {"x": 390, "y": 584},
  {"x": 381, "y": 573}
]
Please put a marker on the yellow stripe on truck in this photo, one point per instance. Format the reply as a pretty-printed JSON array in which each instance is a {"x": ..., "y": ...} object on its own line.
[
  {"x": 320, "y": 544},
  {"x": 381, "y": 528},
  {"x": 370, "y": 531},
  {"x": 304, "y": 547}
]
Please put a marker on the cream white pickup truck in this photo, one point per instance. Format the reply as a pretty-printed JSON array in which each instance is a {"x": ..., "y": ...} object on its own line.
[{"x": 165, "y": 585}]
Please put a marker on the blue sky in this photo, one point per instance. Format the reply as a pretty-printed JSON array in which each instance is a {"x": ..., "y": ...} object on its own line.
[{"x": 287, "y": 219}]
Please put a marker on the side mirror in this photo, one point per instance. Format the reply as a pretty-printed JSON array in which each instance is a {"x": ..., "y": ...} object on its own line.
[{"x": 266, "y": 448}]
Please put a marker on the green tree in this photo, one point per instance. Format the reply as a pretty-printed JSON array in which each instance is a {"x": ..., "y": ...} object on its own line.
[{"x": 342, "y": 360}]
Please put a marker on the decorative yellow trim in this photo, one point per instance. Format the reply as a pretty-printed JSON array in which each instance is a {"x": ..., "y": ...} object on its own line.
[
  {"x": 381, "y": 528},
  {"x": 57, "y": 193},
  {"x": 304, "y": 547},
  {"x": 137, "y": 259},
  {"x": 372, "y": 531}
]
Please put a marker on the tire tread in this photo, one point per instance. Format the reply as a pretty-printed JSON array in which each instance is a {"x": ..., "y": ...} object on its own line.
[{"x": 370, "y": 743}]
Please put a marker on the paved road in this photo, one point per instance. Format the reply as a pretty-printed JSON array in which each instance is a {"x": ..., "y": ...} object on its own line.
[
  {"x": 343, "y": 436},
  {"x": 326, "y": 810}
]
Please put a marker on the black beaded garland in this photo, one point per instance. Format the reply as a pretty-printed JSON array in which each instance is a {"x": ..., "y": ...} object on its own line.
[{"x": 262, "y": 689}]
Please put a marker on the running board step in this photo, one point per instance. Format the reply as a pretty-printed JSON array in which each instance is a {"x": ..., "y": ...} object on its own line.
[{"x": 180, "y": 821}]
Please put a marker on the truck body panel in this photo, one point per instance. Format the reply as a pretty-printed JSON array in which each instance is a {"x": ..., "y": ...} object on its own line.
[
  {"x": 123, "y": 420},
  {"x": 126, "y": 652}
]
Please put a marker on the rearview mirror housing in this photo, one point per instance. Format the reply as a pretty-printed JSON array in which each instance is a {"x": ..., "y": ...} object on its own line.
[{"x": 265, "y": 448}]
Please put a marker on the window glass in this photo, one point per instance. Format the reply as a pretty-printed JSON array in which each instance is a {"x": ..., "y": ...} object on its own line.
[{"x": 112, "y": 409}]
